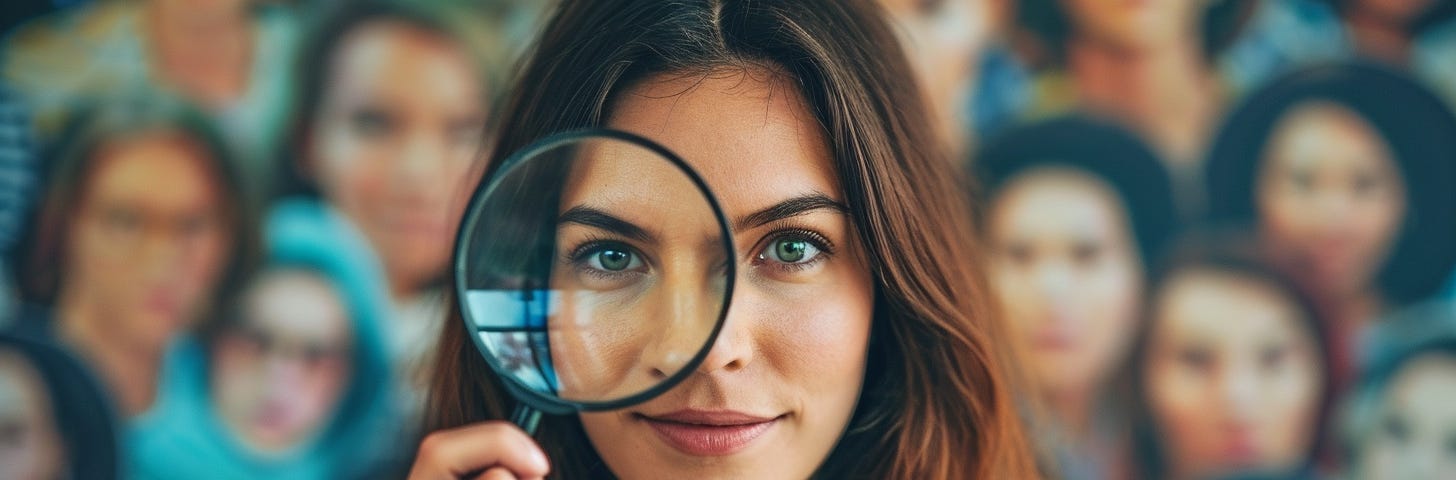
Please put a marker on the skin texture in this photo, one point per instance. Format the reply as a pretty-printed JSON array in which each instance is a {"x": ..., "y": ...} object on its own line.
[
  {"x": 278, "y": 376},
  {"x": 1068, "y": 276},
  {"x": 1417, "y": 424},
  {"x": 750, "y": 135},
  {"x": 1330, "y": 196},
  {"x": 142, "y": 262},
  {"x": 30, "y": 446},
  {"x": 1232, "y": 376},
  {"x": 393, "y": 142}
]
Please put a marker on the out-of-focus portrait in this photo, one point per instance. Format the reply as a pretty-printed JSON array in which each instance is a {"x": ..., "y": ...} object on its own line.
[{"x": 520, "y": 239}]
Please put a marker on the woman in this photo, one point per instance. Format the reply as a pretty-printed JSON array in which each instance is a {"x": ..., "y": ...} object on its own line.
[
  {"x": 1345, "y": 170},
  {"x": 1151, "y": 65},
  {"x": 124, "y": 266},
  {"x": 1231, "y": 375},
  {"x": 393, "y": 98},
  {"x": 57, "y": 421},
  {"x": 1398, "y": 422},
  {"x": 293, "y": 380},
  {"x": 1074, "y": 211},
  {"x": 859, "y": 343}
]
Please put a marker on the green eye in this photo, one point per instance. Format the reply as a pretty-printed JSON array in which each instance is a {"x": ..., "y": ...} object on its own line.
[
  {"x": 613, "y": 260},
  {"x": 790, "y": 250}
]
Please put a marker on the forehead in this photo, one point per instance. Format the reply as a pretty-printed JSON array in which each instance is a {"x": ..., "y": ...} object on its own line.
[
  {"x": 297, "y": 302},
  {"x": 1056, "y": 199},
  {"x": 1228, "y": 308},
  {"x": 385, "y": 57},
  {"x": 1323, "y": 133},
  {"x": 747, "y": 130},
  {"x": 130, "y": 169}
]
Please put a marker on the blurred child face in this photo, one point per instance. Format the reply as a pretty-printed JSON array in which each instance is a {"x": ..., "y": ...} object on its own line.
[
  {"x": 30, "y": 447},
  {"x": 142, "y": 258},
  {"x": 278, "y": 376},
  {"x": 397, "y": 129},
  {"x": 1067, "y": 273},
  {"x": 1135, "y": 25},
  {"x": 1330, "y": 196},
  {"x": 1232, "y": 376},
  {"x": 1416, "y": 432}
]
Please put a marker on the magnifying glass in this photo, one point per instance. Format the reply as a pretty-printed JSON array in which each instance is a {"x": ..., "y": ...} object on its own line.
[{"x": 594, "y": 270}]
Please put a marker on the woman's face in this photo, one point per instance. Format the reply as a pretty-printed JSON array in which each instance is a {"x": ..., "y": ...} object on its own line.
[
  {"x": 1330, "y": 197},
  {"x": 145, "y": 260},
  {"x": 392, "y": 144},
  {"x": 278, "y": 375},
  {"x": 1233, "y": 376},
  {"x": 778, "y": 387},
  {"x": 30, "y": 446},
  {"x": 1067, "y": 272},
  {"x": 1136, "y": 25},
  {"x": 1415, "y": 436}
]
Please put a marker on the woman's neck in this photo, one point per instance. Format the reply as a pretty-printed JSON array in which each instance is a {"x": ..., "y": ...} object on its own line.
[
  {"x": 1166, "y": 92},
  {"x": 128, "y": 368},
  {"x": 206, "y": 54},
  {"x": 1072, "y": 410},
  {"x": 1379, "y": 38}
]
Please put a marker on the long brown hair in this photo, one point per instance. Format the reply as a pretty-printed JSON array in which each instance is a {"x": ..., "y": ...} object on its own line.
[{"x": 937, "y": 399}]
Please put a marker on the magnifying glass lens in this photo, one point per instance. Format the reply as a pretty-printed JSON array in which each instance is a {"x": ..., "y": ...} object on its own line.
[{"x": 594, "y": 269}]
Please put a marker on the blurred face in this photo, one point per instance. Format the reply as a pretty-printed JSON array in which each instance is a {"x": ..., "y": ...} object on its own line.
[
  {"x": 1232, "y": 376},
  {"x": 30, "y": 447},
  {"x": 145, "y": 260},
  {"x": 943, "y": 39},
  {"x": 779, "y": 385},
  {"x": 1330, "y": 197},
  {"x": 1136, "y": 25},
  {"x": 1067, "y": 272},
  {"x": 279, "y": 375},
  {"x": 1416, "y": 433},
  {"x": 396, "y": 132}
]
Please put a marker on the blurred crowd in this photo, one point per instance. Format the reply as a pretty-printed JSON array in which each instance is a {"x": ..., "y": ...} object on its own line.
[{"x": 1224, "y": 231}]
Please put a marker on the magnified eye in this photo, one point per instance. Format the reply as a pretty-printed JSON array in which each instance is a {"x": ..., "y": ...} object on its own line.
[
  {"x": 607, "y": 258},
  {"x": 614, "y": 260}
]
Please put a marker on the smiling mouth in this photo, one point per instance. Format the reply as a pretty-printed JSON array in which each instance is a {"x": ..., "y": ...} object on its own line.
[{"x": 705, "y": 433}]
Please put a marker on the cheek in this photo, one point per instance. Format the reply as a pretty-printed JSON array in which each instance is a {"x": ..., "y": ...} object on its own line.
[
  {"x": 1182, "y": 406},
  {"x": 350, "y": 170},
  {"x": 815, "y": 338}
]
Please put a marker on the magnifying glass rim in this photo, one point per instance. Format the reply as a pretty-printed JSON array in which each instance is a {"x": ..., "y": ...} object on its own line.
[{"x": 524, "y": 393}]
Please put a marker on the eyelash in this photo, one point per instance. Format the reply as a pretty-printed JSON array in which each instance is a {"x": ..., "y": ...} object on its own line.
[
  {"x": 577, "y": 257},
  {"x": 819, "y": 241}
]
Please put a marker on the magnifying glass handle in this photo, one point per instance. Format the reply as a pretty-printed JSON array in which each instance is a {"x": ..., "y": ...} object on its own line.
[{"x": 527, "y": 418}]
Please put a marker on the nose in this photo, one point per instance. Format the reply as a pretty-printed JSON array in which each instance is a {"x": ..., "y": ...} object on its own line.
[
  {"x": 1054, "y": 280},
  {"x": 695, "y": 313},
  {"x": 1240, "y": 388},
  {"x": 422, "y": 156}
]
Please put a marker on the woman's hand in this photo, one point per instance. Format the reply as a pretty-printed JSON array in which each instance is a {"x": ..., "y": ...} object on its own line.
[{"x": 488, "y": 450}]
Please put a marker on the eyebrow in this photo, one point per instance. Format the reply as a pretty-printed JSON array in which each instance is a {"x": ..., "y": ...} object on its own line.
[
  {"x": 792, "y": 207},
  {"x": 595, "y": 218}
]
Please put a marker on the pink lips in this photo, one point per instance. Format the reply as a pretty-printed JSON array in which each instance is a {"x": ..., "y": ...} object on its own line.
[{"x": 709, "y": 433}]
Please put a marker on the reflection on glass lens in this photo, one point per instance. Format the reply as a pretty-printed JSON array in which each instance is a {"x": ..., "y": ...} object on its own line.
[{"x": 582, "y": 284}]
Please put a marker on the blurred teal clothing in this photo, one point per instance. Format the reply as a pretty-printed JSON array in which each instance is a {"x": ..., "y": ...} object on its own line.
[{"x": 182, "y": 436}]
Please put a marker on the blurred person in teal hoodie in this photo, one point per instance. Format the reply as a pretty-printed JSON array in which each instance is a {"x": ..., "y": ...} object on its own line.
[{"x": 293, "y": 382}]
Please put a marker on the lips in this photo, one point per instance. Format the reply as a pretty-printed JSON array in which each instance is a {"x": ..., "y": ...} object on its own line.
[{"x": 709, "y": 433}]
